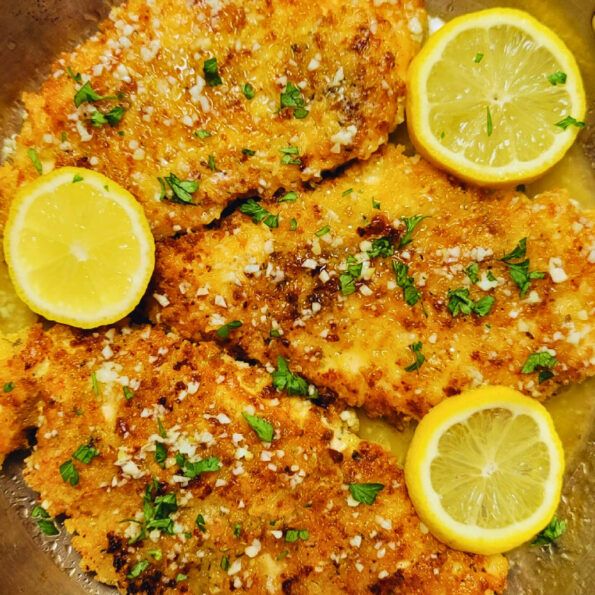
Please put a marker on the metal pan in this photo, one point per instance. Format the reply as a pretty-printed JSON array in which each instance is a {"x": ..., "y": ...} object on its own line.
[{"x": 32, "y": 33}]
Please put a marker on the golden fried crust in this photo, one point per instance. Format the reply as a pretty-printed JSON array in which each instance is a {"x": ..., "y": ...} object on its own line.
[
  {"x": 350, "y": 65},
  {"x": 358, "y": 345},
  {"x": 191, "y": 399}
]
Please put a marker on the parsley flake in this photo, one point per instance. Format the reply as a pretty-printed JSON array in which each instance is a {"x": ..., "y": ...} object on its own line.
[
  {"x": 138, "y": 569},
  {"x": 264, "y": 429},
  {"x": 223, "y": 331},
  {"x": 224, "y": 563},
  {"x": 201, "y": 523},
  {"x": 420, "y": 358},
  {"x": 347, "y": 192},
  {"x": 34, "y": 156},
  {"x": 128, "y": 393},
  {"x": 202, "y": 133},
  {"x": 557, "y": 78},
  {"x": 211, "y": 163},
  {"x": 411, "y": 294},
  {"x": 519, "y": 272},
  {"x": 542, "y": 362},
  {"x": 489, "y": 125},
  {"x": 69, "y": 473},
  {"x": 85, "y": 453},
  {"x": 76, "y": 178},
  {"x": 293, "y": 535},
  {"x": 44, "y": 521},
  {"x": 365, "y": 492},
  {"x": 248, "y": 91},
  {"x": 569, "y": 121},
  {"x": 323, "y": 231},
  {"x": 113, "y": 117},
  {"x": 160, "y": 454},
  {"x": 237, "y": 530},
  {"x": 94, "y": 384},
  {"x": 289, "y": 197},
  {"x": 285, "y": 380},
  {"x": 155, "y": 554},
  {"x": 292, "y": 98},
  {"x": 76, "y": 77},
  {"x": 478, "y": 58},
  {"x": 248, "y": 152},
  {"x": 472, "y": 271},
  {"x": 86, "y": 94},
  {"x": 410, "y": 224},
  {"x": 460, "y": 302},
  {"x": 192, "y": 470},
  {"x": 182, "y": 189},
  {"x": 293, "y": 224},
  {"x": 8, "y": 387},
  {"x": 381, "y": 247},
  {"x": 547, "y": 536},
  {"x": 211, "y": 72},
  {"x": 288, "y": 157},
  {"x": 258, "y": 213}
]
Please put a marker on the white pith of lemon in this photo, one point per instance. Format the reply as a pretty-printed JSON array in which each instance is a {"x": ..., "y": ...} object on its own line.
[
  {"x": 78, "y": 247},
  {"x": 498, "y": 60},
  {"x": 484, "y": 470}
]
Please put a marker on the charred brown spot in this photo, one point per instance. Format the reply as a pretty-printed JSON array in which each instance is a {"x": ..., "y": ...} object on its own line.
[
  {"x": 336, "y": 456},
  {"x": 395, "y": 583},
  {"x": 117, "y": 547},
  {"x": 150, "y": 583}
]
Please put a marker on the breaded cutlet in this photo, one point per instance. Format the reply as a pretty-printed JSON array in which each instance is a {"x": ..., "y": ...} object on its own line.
[
  {"x": 394, "y": 286},
  {"x": 181, "y": 470},
  {"x": 204, "y": 101}
]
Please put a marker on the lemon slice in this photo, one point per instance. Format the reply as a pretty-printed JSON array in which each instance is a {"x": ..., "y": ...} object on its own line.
[
  {"x": 495, "y": 97},
  {"x": 484, "y": 470},
  {"x": 78, "y": 247}
]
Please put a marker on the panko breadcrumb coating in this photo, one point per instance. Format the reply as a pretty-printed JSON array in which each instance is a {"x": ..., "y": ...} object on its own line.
[
  {"x": 394, "y": 286},
  {"x": 182, "y": 470},
  {"x": 220, "y": 99}
]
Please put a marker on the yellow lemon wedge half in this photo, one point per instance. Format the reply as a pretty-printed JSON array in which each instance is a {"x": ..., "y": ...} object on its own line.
[
  {"x": 484, "y": 470},
  {"x": 495, "y": 97},
  {"x": 78, "y": 247}
]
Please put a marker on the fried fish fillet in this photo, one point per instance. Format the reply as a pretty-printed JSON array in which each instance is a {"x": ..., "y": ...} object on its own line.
[
  {"x": 395, "y": 286},
  {"x": 182, "y": 470},
  {"x": 236, "y": 97}
]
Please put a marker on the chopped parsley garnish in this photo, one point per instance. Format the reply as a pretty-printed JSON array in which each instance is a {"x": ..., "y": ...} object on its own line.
[
  {"x": 275, "y": 333},
  {"x": 258, "y": 213},
  {"x": 347, "y": 192},
  {"x": 411, "y": 294},
  {"x": 293, "y": 535},
  {"x": 223, "y": 332},
  {"x": 347, "y": 280},
  {"x": 289, "y": 156},
  {"x": 34, "y": 156},
  {"x": 128, "y": 393},
  {"x": 211, "y": 163},
  {"x": 202, "y": 133},
  {"x": 182, "y": 189},
  {"x": 192, "y": 470},
  {"x": 289, "y": 197},
  {"x": 292, "y": 98},
  {"x": 237, "y": 530},
  {"x": 76, "y": 178},
  {"x": 181, "y": 577},
  {"x": 547, "y": 536},
  {"x": 557, "y": 78},
  {"x": 285, "y": 380},
  {"x": 248, "y": 152},
  {"x": 264, "y": 429},
  {"x": 365, "y": 492},
  {"x": 8, "y": 387},
  {"x": 69, "y": 473},
  {"x": 519, "y": 272},
  {"x": 459, "y": 302},
  {"x": 569, "y": 121},
  {"x": 44, "y": 521},
  {"x": 489, "y": 125},
  {"x": 160, "y": 429},
  {"x": 113, "y": 117},
  {"x": 293, "y": 224},
  {"x": 138, "y": 569},
  {"x": 381, "y": 247},
  {"x": 160, "y": 454},
  {"x": 155, "y": 554},
  {"x": 211, "y": 72},
  {"x": 94, "y": 384},
  {"x": 375, "y": 204},
  {"x": 201, "y": 523},
  {"x": 323, "y": 231},
  {"x": 225, "y": 563},
  {"x": 76, "y": 77},
  {"x": 248, "y": 91},
  {"x": 85, "y": 453},
  {"x": 86, "y": 94},
  {"x": 542, "y": 362},
  {"x": 478, "y": 57},
  {"x": 420, "y": 358},
  {"x": 472, "y": 271},
  {"x": 410, "y": 224}
]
